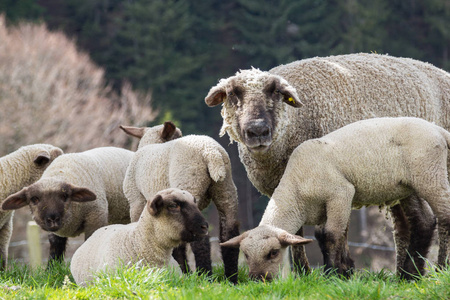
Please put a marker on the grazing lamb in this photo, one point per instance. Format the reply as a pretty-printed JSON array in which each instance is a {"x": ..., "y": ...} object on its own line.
[
  {"x": 62, "y": 200},
  {"x": 381, "y": 161},
  {"x": 194, "y": 163},
  {"x": 18, "y": 169},
  {"x": 171, "y": 217},
  {"x": 261, "y": 111}
]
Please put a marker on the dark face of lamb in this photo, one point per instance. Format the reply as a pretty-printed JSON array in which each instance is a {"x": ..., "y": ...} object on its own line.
[
  {"x": 49, "y": 202},
  {"x": 252, "y": 104},
  {"x": 179, "y": 210}
]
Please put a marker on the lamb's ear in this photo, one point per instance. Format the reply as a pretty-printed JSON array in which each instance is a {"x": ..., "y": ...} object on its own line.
[
  {"x": 290, "y": 95},
  {"x": 134, "y": 131},
  {"x": 235, "y": 242},
  {"x": 216, "y": 95},
  {"x": 16, "y": 200},
  {"x": 287, "y": 239},
  {"x": 169, "y": 131},
  {"x": 156, "y": 205},
  {"x": 79, "y": 194},
  {"x": 42, "y": 159}
]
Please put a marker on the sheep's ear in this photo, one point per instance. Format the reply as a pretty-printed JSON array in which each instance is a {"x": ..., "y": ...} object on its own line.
[
  {"x": 16, "y": 200},
  {"x": 169, "y": 131},
  {"x": 42, "y": 159},
  {"x": 290, "y": 95},
  {"x": 133, "y": 131},
  {"x": 216, "y": 96},
  {"x": 156, "y": 205},
  {"x": 235, "y": 242},
  {"x": 287, "y": 239},
  {"x": 80, "y": 194}
]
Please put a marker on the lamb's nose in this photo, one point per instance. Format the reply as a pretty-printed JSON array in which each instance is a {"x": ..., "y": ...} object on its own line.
[{"x": 53, "y": 220}]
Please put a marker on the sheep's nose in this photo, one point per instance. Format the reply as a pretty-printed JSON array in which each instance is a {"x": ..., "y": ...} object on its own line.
[
  {"x": 260, "y": 277},
  {"x": 53, "y": 221},
  {"x": 257, "y": 129}
]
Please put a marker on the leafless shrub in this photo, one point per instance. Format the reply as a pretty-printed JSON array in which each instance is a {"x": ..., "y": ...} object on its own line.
[{"x": 52, "y": 93}]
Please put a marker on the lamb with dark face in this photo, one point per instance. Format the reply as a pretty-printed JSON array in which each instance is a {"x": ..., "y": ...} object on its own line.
[
  {"x": 170, "y": 218},
  {"x": 78, "y": 193}
]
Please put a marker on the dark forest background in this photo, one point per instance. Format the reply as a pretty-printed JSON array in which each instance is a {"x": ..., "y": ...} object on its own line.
[{"x": 177, "y": 50}]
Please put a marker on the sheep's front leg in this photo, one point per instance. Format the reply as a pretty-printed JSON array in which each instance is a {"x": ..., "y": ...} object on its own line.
[
  {"x": 57, "y": 248},
  {"x": 300, "y": 261},
  {"x": 179, "y": 254},
  {"x": 5, "y": 237},
  {"x": 335, "y": 232},
  {"x": 321, "y": 239},
  {"x": 202, "y": 253}
]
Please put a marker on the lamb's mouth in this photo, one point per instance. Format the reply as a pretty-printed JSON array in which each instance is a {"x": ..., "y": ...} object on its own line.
[{"x": 259, "y": 149}]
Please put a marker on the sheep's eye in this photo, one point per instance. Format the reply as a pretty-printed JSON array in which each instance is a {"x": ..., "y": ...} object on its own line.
[
  {"x": 231, "y": 94},
  {"x": 246, "y": 256},
  {"x": 65, "y": 197},
  {"x": 273, "y": 254},
  {"x": 173, "y": 207},
  {"x": 277, "y": 92},
  {"x": 34, "y": 200}
]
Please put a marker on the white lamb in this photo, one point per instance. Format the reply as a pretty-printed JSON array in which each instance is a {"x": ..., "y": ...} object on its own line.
[
  {"x": 372, "y": 162},
  {"x": 269, "y": 113},
  {"x": 62, "y": 200},
  {"x": 18, "y": 169},
  {"x": 170, "y": 218},
  {"x": 194, "y": 163}
]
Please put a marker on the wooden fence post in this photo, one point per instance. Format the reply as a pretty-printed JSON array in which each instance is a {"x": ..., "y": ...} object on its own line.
[{"x": 34, "y": 244}]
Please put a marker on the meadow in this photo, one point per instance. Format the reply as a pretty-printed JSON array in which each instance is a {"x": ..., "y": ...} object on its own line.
[{"x": 21, "y": 282}]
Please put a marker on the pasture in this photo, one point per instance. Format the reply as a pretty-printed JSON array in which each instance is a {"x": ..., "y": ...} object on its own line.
[{"x": 21, "y": 282}]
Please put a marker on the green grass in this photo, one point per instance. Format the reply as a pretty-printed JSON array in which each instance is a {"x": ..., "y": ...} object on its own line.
[{"x": 20, "y": 282}]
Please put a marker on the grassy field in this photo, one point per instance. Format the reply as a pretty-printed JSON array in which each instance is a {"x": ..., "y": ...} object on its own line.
[{"x": 20, "y": 282}]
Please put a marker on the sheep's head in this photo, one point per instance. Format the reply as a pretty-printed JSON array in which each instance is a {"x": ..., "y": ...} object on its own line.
[
  {"x": 153, "y": 135},
  {"x": 253, "y": 106},
  {"x": 50, "y": 201},
  {"x": 42, "y": 155},
  {"x": 177, "y": 209},
  {"x": 265, "y": 250}
]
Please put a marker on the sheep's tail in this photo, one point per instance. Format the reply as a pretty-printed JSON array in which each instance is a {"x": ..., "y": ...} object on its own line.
[{"x": 216, "y": 163}]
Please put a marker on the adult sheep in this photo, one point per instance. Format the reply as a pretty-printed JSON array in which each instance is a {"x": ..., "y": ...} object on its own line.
[{"x": 261, "y": 111}]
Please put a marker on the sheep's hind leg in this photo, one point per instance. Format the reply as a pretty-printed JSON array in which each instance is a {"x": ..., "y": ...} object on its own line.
[
  {"x": 414, "y": 223},
  {"x": 230, "y": 255}
]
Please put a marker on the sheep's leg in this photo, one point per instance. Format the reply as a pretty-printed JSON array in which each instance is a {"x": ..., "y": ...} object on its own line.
[
  {"x": 179, "y": 254},
  {"x": 5, "y": 237},
  {"x": 202, "y": 253},
  {"x": 414, "y": 224},
  {"x": 230, "y": 256},
  {"x": 57, "y": 248},
  {"x": 319, "y": 233},
  {"x": 299, "y": 259},
  {"x": 335, "y": 232}
]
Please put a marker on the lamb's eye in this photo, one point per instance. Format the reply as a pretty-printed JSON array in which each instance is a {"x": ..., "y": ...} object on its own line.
[
  {"x": 273, "y": 254},
  {"x": 65, "y": 197},
  {"x": 231, "y": 94},
  {"x": 277, "y": 92},
  {"x": 173, "y": 207},
  {"x": 34, "y": 200}
]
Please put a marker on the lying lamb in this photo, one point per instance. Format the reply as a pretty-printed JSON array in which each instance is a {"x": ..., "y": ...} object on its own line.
[
  {"x": 262, "y": 111},
  {"x": 194, "y": 163},
  {"x": 18, "y": 169},
  {"x": 170, "y": 218},
  {"x": 62, "y": 200},
  {"x": 372, "y": 162}
]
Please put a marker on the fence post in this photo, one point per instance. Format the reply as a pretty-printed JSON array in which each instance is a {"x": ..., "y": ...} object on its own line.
[{"x": 34, "y": 244}]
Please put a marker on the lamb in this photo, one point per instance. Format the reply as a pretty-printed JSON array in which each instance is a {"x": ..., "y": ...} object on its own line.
[
  {"x": 170, "y": 217},
  {"x": 380, "y": 161},
  {"x": 194, "y": 163},
  {"x": 62, "y": 200},
  {"x": 18, "y": 169},
  {"x": 261, "y": 111}
]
